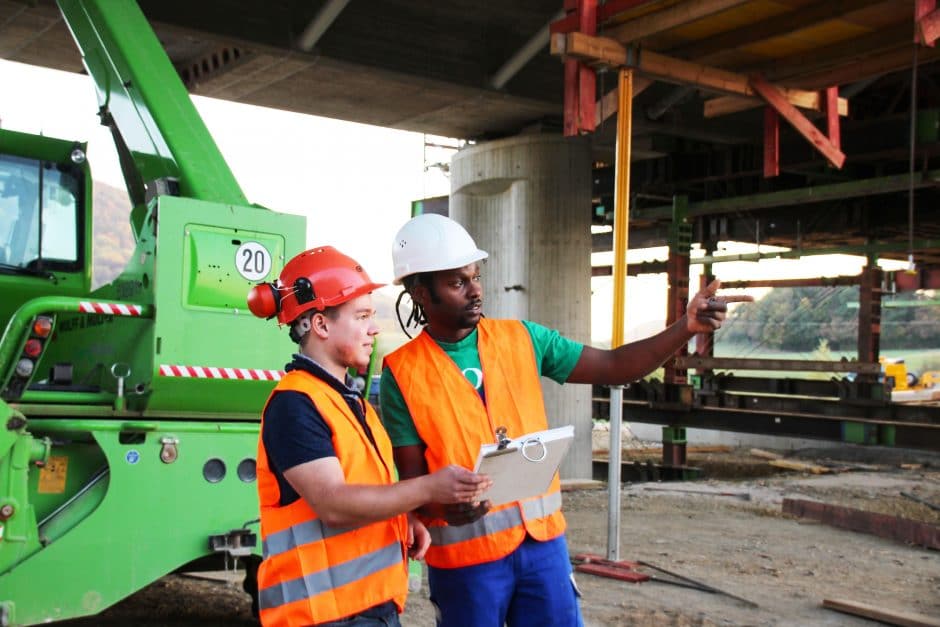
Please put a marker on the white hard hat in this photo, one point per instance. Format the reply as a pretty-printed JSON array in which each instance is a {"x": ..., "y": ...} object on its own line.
[{"x": 430, "y": 242}]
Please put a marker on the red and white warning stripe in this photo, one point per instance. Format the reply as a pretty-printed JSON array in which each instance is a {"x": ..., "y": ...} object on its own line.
[
  {"x": 115, "y": 309},
  {"x": 201, "y": 372}
]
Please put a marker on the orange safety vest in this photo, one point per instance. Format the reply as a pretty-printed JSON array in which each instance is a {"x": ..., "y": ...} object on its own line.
[
  {"x": 453, "y": 422},
  {"x": 313, "y": 573}
]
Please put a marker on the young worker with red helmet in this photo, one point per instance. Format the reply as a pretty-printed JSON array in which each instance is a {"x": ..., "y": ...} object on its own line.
[
  {"x": 509, "y": 564},
  {"x": 333, "y": 519}
]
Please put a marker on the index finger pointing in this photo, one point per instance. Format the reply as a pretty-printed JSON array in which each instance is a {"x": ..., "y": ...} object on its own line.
[{"x": 736, "y": 298}]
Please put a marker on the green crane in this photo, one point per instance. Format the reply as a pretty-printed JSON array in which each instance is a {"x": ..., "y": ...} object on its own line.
[{"x": 129, "y": 413}]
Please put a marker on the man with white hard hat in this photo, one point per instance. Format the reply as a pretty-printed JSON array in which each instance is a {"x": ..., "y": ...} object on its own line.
[{"x": 490, "y": 566}]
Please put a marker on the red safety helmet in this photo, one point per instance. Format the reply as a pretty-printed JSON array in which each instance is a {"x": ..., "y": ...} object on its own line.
[{"x": 315, "y": 279}]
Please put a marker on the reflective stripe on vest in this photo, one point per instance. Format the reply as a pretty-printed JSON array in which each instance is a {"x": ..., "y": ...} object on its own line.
[
  {"x": 452, "y": 421},
  {"x": 298, "y": 535},
  {"x": 330, "y": 578},
  {"x": 496, "y": 521},
  {"x": 313, "y": 573}
]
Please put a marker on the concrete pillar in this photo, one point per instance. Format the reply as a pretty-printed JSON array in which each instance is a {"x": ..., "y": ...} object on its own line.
[{"x": 527, "y": 201}]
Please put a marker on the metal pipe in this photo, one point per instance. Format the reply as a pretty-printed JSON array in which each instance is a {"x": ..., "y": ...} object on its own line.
[
  {"x": 613, "y": 473},
  {"x": 525, "y": 54},
  {"x": 621, "y": 226},
  {"x": 318, "y": 25},
  {"x": 674, "y": 97}
]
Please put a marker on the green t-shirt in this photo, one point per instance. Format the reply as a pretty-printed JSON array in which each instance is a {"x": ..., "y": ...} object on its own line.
[{"x": 555, "y": 357}]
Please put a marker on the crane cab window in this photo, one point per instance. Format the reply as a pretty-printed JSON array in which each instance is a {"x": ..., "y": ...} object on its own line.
[{"x": 39, "y": 214}]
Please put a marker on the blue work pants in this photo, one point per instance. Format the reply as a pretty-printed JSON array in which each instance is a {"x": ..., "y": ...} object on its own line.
[
  {"x": 530, "y": 586},
  {"x": 371, "y": 618}
]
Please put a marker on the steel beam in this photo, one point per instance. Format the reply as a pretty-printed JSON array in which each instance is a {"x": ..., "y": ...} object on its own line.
[
  {"x": 320, "y": 23},
  {"x": 521, "y": 58},
  {"x": 793, "y": 365},
  {"x": 917, "y": 435},
  {"x": 803, "y": 195},
  {"x": 812, "y": 282}
]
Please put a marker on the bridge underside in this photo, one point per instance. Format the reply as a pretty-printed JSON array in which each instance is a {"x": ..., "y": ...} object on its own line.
[{"x": 717, "y": 153}]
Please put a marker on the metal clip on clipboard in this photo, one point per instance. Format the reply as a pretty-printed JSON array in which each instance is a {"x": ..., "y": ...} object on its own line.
[{"x": 505, "y": 445}]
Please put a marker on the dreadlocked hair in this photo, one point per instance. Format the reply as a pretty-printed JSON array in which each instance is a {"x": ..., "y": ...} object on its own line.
[{"x": 417, "y": 317}]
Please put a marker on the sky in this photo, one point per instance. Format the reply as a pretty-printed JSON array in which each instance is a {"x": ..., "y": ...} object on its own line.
[{"x": 353, "y": 182}]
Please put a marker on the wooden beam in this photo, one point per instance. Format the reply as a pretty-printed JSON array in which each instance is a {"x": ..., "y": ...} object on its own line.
[
  {"x": 774, "y": 26},
  {"x": 882, "y": 525},
  {"x": 846, "y": 58},
  {"x": 882, "y": 615},
  {"x": 846, "y": 52},
  {"x": 777, "y": 99},
  {"x": 724, "y": 105},
  {"x": 670, "y": 17},
  {"x": 569, "y": 23},
  {"x": 603, "y": 51}
]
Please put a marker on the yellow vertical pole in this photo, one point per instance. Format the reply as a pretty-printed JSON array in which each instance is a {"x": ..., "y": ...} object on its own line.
[
  {"x": 621, "y": 224},
  {"x": 622, "y": 201}
]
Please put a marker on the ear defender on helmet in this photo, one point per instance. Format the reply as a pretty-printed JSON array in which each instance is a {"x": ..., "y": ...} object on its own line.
[{"x": 264, "y": 300}]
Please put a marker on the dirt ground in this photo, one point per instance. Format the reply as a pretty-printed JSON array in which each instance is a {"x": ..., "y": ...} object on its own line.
[{"x": 742, "y": 545}]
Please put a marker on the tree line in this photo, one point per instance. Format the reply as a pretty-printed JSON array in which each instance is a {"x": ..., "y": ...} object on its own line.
[{"x": 800, "y": 318}]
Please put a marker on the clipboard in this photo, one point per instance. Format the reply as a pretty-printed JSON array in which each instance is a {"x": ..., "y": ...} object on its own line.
[{"x": 525, "y": 466}]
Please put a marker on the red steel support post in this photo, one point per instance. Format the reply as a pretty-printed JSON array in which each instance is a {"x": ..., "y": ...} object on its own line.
[
  {"x": 926, "y": 21},
  {"x": 580, "y": 79},
  {"x": 832, "y": 117},
  {"x": 587, "y": 78},
  {"x": 771, "y": 143}
]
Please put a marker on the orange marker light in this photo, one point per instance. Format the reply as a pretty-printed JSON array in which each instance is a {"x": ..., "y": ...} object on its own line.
[{"x": 42, "y": 326}]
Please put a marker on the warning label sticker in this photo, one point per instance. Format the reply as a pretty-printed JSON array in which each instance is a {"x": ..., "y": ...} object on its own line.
[{"x": 52, "y": 475}]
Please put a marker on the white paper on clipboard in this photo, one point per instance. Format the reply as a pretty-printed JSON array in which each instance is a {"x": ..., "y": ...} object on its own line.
[{"x": 525, "y": 467}]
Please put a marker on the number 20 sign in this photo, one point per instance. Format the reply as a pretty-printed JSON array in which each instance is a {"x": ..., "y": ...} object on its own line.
[{"x": 253, "y": 261}]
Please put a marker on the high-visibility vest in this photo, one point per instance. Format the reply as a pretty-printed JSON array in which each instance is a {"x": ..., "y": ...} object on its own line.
[
  {"x": 453, "y": 422},
  {"x": 312, "y": 573}
]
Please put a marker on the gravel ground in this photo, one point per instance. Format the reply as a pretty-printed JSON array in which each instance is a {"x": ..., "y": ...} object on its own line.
[{"x": 747, "y": 548}]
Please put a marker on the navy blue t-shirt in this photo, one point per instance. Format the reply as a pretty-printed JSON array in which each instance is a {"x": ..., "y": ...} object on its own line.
[{"x": 294, "y": 430}]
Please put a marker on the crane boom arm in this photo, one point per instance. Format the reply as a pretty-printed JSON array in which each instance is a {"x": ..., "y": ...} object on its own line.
[{"x": 141, "y": 94}]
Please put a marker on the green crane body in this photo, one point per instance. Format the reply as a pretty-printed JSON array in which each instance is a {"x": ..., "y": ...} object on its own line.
[{"x": 129, "y": 413}]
